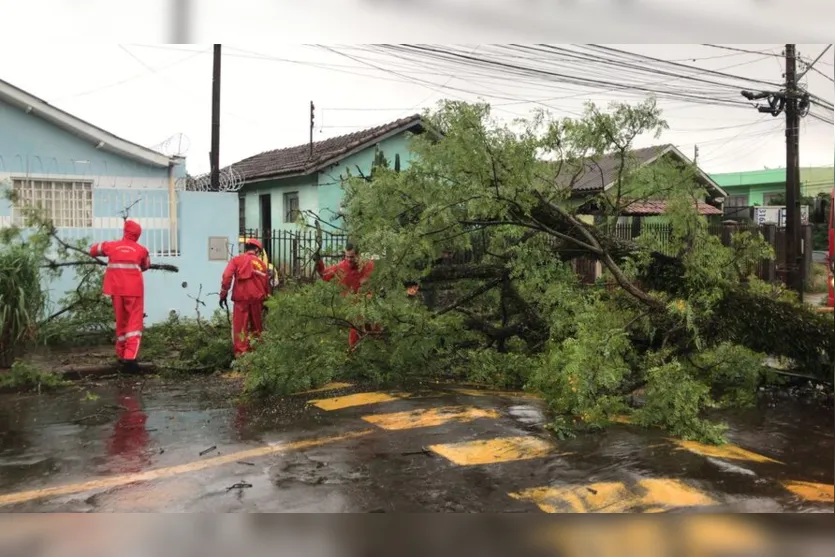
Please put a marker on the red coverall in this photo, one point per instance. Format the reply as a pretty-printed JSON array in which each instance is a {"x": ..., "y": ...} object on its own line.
[
  {"x": 352, "y": 278},
  {"x": 252, "y": 285},
  {"x": 126, "y": 261}
]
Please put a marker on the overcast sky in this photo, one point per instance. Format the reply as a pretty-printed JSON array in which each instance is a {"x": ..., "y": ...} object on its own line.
[{"x": 147, "y": 93}]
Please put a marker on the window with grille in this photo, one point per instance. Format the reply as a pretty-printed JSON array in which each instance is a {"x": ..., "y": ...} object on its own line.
[
  {"x": 68, "y": 204},
  {"x": 291, "y": 207}
]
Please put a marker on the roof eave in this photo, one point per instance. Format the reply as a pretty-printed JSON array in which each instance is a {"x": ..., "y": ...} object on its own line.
[
  {"x": 104, "y": 140},
  {"x": 324, "y": 163},
  {"x": 673, "y": 149}
]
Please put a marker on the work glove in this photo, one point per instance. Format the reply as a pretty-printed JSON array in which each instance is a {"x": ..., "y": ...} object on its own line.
[{"x": 223, "y": 304}]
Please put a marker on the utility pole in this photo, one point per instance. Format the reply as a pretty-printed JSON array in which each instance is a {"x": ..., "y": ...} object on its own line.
[
  {"x": 312, "y": 115},
  {"x": 696, "y": 155},
  {"x": 794, "y": 101},
  {"x": 214, "y": 155},
  {"x": 794, "y": 254}
]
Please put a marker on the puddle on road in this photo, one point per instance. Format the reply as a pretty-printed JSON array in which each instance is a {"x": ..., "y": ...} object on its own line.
[{"x": 98, "y": 430}]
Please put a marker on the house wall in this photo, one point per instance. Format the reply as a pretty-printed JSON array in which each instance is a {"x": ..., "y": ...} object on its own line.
[
  {"x": 756, "y": 184},
  {"x": 305, "y": 186},
  {"x": 31, "y": 145},
  {"x": 33, "y": 148},
  {"x": 331, "y": 192},
  {"x": 321, "y": 193}
]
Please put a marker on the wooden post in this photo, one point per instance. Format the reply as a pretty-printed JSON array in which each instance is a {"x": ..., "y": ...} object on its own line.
[{"x": 728, "y": 229}]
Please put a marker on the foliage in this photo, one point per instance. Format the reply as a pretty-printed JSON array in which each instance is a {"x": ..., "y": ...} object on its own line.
[
  {"x": 79, "y": 316},
  {"x": 189, "y": 345},
  {"x": 818, "y": 282},
  {"x": 820, "y": 237},
  {"x": 487, "y": 220},
  {"x": 21, "y": 301},
  {"x": 24, "y": 377},
  {"x": 306, "y": 332}
]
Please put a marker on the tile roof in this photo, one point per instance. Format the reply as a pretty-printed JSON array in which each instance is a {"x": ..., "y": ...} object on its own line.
[
  {"x": 599, "y": 173},
  {"x": 654, "y": 207},
  {"x": 298, "y": 161}
]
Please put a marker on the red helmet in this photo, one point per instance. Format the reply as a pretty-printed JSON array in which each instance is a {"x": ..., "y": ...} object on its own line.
[{"x": 254, "y": 242}]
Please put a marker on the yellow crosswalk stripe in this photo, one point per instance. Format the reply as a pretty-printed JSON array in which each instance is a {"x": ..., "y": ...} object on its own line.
[
  {"x": 428, "y": 417},
  {"x": 728, "y": 451},
  {"x": 358, "y": 399},
  {"x": 810, "y": 491},
  {"x": 649, "y": 495},
  {"x": 493, "y": 451}
]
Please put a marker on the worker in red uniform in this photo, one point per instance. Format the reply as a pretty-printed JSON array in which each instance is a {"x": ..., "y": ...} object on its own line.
[
  {"x": 252, "y": 285},
  {"x": 126, "y": 261},
  {"x": 352, "y": 275}
]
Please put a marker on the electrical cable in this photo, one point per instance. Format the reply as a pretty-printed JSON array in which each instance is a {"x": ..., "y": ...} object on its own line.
[{"x": 812, "y": 65}]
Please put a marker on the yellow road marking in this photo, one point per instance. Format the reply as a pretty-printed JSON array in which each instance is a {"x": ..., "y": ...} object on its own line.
[
  {"x": 124, "y": 479},
  {"x": 358, "y": 399},
  {"x": 327, "y": 387},
  {"x": 492, "y": 451},
  {"x": 429, "y": 417},
  {"x": 500, "y": 394},
  {"x": 730, "y": 452},
  {"x": 815, "y": 492},
  {"x": 653, "y": 495}
]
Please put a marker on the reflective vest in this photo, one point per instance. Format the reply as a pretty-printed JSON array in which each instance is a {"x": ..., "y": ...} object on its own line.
[{"x": 263, "y": 257}]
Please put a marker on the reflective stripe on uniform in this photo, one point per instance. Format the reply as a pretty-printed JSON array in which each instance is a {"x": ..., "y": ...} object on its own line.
[
  {"x": 98, "y": 249},
  {"x": 133, "y": 334},
  {"x": 263, "y": 274},
  {"x": 124, "y": 266},
  {"x": 120, "y": 338}
]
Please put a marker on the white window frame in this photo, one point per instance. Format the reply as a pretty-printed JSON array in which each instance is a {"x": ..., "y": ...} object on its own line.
[{"x": 68, "y": 203}]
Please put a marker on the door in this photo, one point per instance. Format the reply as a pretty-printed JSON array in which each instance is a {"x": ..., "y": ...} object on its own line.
[{"x": 266, "y": 203}]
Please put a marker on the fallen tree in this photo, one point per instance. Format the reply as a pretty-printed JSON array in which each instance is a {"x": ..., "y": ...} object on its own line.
[{"x": 683, "y": 320}]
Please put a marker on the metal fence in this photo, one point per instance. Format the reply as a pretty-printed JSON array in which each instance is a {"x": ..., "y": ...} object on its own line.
[
  {"x": 768, "y": 270},
  {"x": 291, "y": 251}
]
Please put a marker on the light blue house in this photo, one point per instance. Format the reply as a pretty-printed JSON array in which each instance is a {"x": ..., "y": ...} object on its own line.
[
  {"x": 87, "y": 180},
  {"x": 306, "y": 178}
]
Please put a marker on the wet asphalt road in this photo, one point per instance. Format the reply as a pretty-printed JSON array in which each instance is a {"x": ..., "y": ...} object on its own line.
[{"x": 152, "y": 446}]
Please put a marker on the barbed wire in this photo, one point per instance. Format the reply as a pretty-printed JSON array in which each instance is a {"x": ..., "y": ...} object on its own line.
[
  {"x": 229, "y": 181},
  {"x": 175, "y": 146}
]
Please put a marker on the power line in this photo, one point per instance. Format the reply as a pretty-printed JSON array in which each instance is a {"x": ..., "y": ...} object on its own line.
[
  {"x": 812, "y": 65},
  {"x": 573, "y": 78},
  {"x": 740, "y": 50},
  {"x": 817, "y": 71}
]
